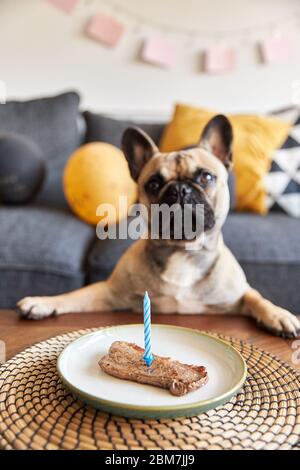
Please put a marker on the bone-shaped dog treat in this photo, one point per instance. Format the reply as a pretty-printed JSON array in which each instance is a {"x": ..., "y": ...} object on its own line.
[{"x": 125, "y": 361}]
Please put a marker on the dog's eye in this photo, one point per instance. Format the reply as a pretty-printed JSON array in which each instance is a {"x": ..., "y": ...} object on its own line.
[
  {"x": 154, "y": 184},
  {"x": 205, "y": 178}
]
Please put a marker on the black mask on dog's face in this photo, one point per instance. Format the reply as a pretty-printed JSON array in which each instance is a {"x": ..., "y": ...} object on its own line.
[
  {"x": 185, "y": 178},
  {"x": 177, "y": 194}
]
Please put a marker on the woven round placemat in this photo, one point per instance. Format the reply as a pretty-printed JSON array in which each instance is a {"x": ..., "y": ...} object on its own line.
[{"x": 38, "y": 412}]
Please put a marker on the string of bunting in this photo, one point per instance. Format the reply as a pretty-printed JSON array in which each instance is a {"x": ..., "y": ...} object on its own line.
[{"x": 160, "y": 49}]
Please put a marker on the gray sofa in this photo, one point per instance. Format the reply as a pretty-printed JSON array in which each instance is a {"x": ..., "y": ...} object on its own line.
[{"x": 45, "y": 249}]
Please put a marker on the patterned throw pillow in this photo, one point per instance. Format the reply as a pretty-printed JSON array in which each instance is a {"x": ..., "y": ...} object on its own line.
[
  {"x": 283, "y": 180},
  {"x": 255, "y": 140}
]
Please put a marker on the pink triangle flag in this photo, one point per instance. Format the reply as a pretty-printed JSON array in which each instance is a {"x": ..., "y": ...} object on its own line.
[
  {"x": 219, "y": 59},
  {"x": 276, "y": 48},
  {"x": 159, "y": 51},
  {"x": 67, "y": 6},
  {"x": 105, "y": 29}
]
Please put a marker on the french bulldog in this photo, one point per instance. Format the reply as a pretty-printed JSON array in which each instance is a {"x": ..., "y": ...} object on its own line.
[{"x": 182, "y": 276}]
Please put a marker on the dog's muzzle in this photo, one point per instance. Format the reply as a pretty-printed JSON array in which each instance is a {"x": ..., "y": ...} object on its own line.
[{"x": 189, "y": 204}]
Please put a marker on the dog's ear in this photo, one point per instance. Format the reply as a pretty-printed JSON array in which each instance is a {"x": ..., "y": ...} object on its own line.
[
  {"x": 138, "y": 148},
  {"x": 217, "y": 138}
]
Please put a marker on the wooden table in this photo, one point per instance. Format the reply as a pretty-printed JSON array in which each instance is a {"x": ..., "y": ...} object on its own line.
[{"x": 19, "y": 334}]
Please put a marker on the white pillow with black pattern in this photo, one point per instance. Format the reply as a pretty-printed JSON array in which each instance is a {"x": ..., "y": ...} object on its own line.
[{"x": 283, "y": 180}]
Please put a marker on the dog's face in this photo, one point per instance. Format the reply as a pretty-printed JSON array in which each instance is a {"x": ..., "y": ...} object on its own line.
[{"x": 193, "y": 176}]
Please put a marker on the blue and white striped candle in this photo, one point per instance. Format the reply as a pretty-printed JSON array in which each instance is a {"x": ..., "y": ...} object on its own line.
[{"x": 147, "y": 330}]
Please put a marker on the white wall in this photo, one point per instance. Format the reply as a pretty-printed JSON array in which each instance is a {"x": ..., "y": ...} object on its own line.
[{"x": 43, "y": 51}]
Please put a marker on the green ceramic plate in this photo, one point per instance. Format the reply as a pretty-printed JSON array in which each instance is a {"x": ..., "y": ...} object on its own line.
[{"x": 78, "y": 368}]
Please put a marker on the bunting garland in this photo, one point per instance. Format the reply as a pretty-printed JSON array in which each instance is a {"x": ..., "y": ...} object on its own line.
[
  {"x": 277, "y": 48},
  {"x": 66, "y": 6},
  {"x": 159, "y": 49},
  {"x": 219, "y": 59},
  {"x": 105, "y": 29}
]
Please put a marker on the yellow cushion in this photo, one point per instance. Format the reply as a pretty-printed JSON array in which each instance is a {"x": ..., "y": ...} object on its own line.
[
  {"x": 255, "y": 140},
  {"x": 97, "y": 173}
]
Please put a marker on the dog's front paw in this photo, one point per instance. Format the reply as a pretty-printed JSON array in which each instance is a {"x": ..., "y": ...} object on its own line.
[
  {"x": 281, "y": 322},
  {"x": 36, "y": 308}
]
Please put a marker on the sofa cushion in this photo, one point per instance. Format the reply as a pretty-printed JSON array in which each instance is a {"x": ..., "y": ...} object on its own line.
[
  {"x": 42, "y": 252},
  {"x": 259, "y": 239},
  {"x": 52, "y": 193},
  {"x": 106, "y": 129},
  {"x": 283, "y": 180},
  {"x": 268, "y": 249},
  {"x": 52, "y": 123},
  {"x": 22, "y": 169},
  {"x": 104, "y": 256},
  {"x": 255, "y": 139}
]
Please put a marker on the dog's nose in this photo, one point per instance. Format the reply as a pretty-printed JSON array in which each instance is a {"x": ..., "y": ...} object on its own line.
[
  {"x": 184, "y": 189},
  {"x": 176, "y": 192},
  {"x": 170, "y": 195}
]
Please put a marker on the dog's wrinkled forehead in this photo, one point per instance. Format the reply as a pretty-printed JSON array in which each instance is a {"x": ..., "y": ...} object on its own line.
[
  {"x": 212, "y": 152},
  {"x": 183, "y": 164}
]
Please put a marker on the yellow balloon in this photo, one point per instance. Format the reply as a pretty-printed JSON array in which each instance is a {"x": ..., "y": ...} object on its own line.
[{"x": 95, "y": 174}]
